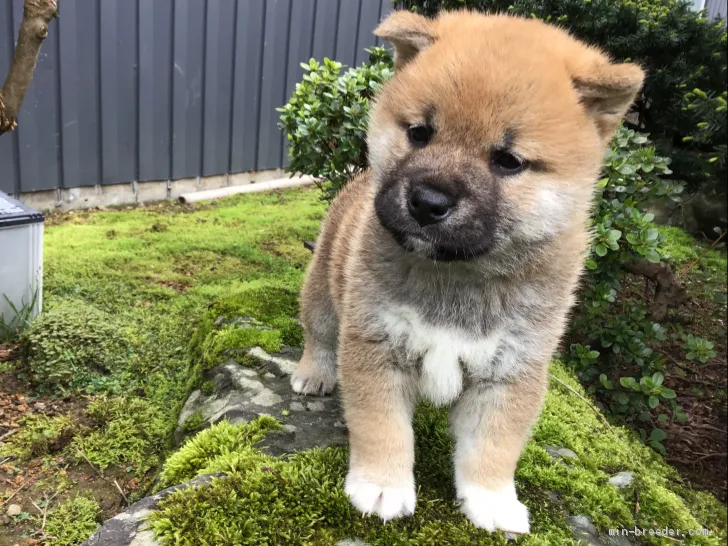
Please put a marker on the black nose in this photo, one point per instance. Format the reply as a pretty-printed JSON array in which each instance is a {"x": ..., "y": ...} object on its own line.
[{"x": 429, "y": 206}]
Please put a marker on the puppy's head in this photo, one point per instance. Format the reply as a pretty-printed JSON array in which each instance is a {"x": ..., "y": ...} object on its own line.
[{"x": 491, "y": 133}]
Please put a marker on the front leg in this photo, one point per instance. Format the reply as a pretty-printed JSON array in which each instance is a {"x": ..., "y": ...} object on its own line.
[
  {"x": 491, "y": 423},
  {"x": 378, "y": 402}
]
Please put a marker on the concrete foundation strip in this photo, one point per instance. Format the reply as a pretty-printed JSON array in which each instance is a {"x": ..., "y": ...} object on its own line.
[{"x": 219, "y": 193}]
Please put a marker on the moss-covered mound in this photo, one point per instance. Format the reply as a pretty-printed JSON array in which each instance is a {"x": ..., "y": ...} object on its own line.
[
  {"x": 300, "y": 499},
  {"x": 76, "y": 346},
  {"x": 261, "y": 314}
]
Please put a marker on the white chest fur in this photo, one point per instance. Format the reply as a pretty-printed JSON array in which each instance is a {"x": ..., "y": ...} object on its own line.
[{"x": 446, "y": 353}]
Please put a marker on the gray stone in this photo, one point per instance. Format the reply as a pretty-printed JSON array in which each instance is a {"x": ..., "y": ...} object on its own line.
[
  {"x": 14, "y": 510},
  {"x": 622, "y": 479},
  {"x": 350, "y": 542},
  {"x": 243, "y": 393},
  {"x": 561, "y": 455},
  {"x": 129, "y": 528},
  {"x": 560, "y": 452},
  {"x": 584, "y": 530}
]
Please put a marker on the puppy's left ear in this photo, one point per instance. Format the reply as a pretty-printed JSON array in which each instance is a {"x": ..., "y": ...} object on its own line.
[
  {"x": 409, "y": 33},
  {"x": 607, "y": 91}
]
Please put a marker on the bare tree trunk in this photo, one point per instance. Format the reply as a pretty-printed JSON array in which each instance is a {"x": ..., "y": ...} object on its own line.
[{"x": 33, "y": 30}]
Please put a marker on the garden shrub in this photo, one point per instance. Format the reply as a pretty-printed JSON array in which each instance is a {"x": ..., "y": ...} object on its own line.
[
  {"x": 76, "y": 346},
  {"x": 683, "y": 53},
  {"x": 325, "y": 120}
]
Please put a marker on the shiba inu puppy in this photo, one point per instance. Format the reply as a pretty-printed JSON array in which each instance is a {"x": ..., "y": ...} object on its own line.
[{"x": 447, "y": 271}]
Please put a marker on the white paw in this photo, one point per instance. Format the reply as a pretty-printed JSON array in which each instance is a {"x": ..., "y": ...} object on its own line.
[
  {"x": 385, "y": 501},
  {"x": 493, "y": 510},
  {"x": 307, "y": 382}
]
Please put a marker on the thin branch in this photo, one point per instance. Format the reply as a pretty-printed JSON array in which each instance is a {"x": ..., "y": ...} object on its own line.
[
  {"x": 44, "y": 511},
  {"x": 99, "y": 472},
  {"x": 14, "y": 493},
  {"x": 33, "y": 30},
  {"x": 688, "y": 268},
  {"x": 121, "y": 491},
  {"x": 595, "y": 410}
]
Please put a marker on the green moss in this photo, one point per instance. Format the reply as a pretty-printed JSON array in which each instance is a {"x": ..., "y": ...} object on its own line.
[
  {"x": 208, "y": 388},
  {"x": 129, "y": 432},
  {"x": 39, "y": 435},
  {"x": 72, "y": 522},
  {"x": 75, "y": 346},
  {"x": 199, "y": 452},
  {"x": 683, "y": 249},
  {"x": 193, "y": 423},
  {"x": 300, "y": 500}
]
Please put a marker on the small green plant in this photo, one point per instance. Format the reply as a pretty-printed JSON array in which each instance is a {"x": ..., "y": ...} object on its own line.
[
  {"x": 11, "y": 328},
  {"x": 698, "y": 348}
]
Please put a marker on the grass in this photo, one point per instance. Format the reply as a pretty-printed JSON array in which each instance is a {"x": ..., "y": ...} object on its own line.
[
  {"x": 162, "y": 286},
  {"x": 125, "y": 291}
]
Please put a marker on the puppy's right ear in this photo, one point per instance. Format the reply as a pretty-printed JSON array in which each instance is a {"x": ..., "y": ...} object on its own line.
[{"x": 409, "y": 33}]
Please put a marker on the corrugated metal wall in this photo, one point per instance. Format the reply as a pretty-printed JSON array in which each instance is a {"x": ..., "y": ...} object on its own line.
[
  {"x": 166, "y": 89},
  {"x": 716, "y": 8}
]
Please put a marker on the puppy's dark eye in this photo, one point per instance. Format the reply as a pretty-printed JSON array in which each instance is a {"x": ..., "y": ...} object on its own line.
[
  {"x": 505, "y": 163},
  {"x": 419, "y": 135}
]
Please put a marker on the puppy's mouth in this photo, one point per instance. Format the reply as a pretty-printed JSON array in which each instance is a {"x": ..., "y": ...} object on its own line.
[{"x": 416, "y": 244}]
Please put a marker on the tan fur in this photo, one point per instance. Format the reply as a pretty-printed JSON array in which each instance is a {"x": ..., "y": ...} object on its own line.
[{"x": 368, "y": 305}]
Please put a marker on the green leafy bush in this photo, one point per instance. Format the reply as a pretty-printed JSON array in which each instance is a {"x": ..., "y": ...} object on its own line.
[
  {"x": 680, "y": 49},
  {"x": 73, "y": 347},
  {"x": 325, "y": 120}
]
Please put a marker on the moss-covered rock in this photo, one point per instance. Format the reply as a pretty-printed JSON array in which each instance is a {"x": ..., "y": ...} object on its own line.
[{"x": 300, "y": 499}]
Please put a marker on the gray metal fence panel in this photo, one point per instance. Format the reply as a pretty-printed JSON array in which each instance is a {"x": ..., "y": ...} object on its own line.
[
  {"x": 143, "y": 90},
  {"x": 119, "y": 84},
  {"x": 325, "y": 24},
  {"x": 78, "y": 33},
  {"x": 248, "y": 84},
  {"x": 300, "y": 46},
  {"x": 219, "y": 62},
  {"x": 188, "y": 88},
  {"x": 347, "y": 31},
  {"x": 39, "y": 137},
  {"x": 155, "y": 88},
  {"x": 716, "y": 8},
  {"x": 368, "y": 20},
  {"x": 9, "y": 143},
  {"x": 275, "y": 62}
]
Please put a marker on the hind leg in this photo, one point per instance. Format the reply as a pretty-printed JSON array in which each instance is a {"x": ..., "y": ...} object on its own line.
[{"x": 316, "y": 372}]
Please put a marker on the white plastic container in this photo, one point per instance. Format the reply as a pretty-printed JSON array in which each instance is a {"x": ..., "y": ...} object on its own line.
[{"x": 21, "y": 259}]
